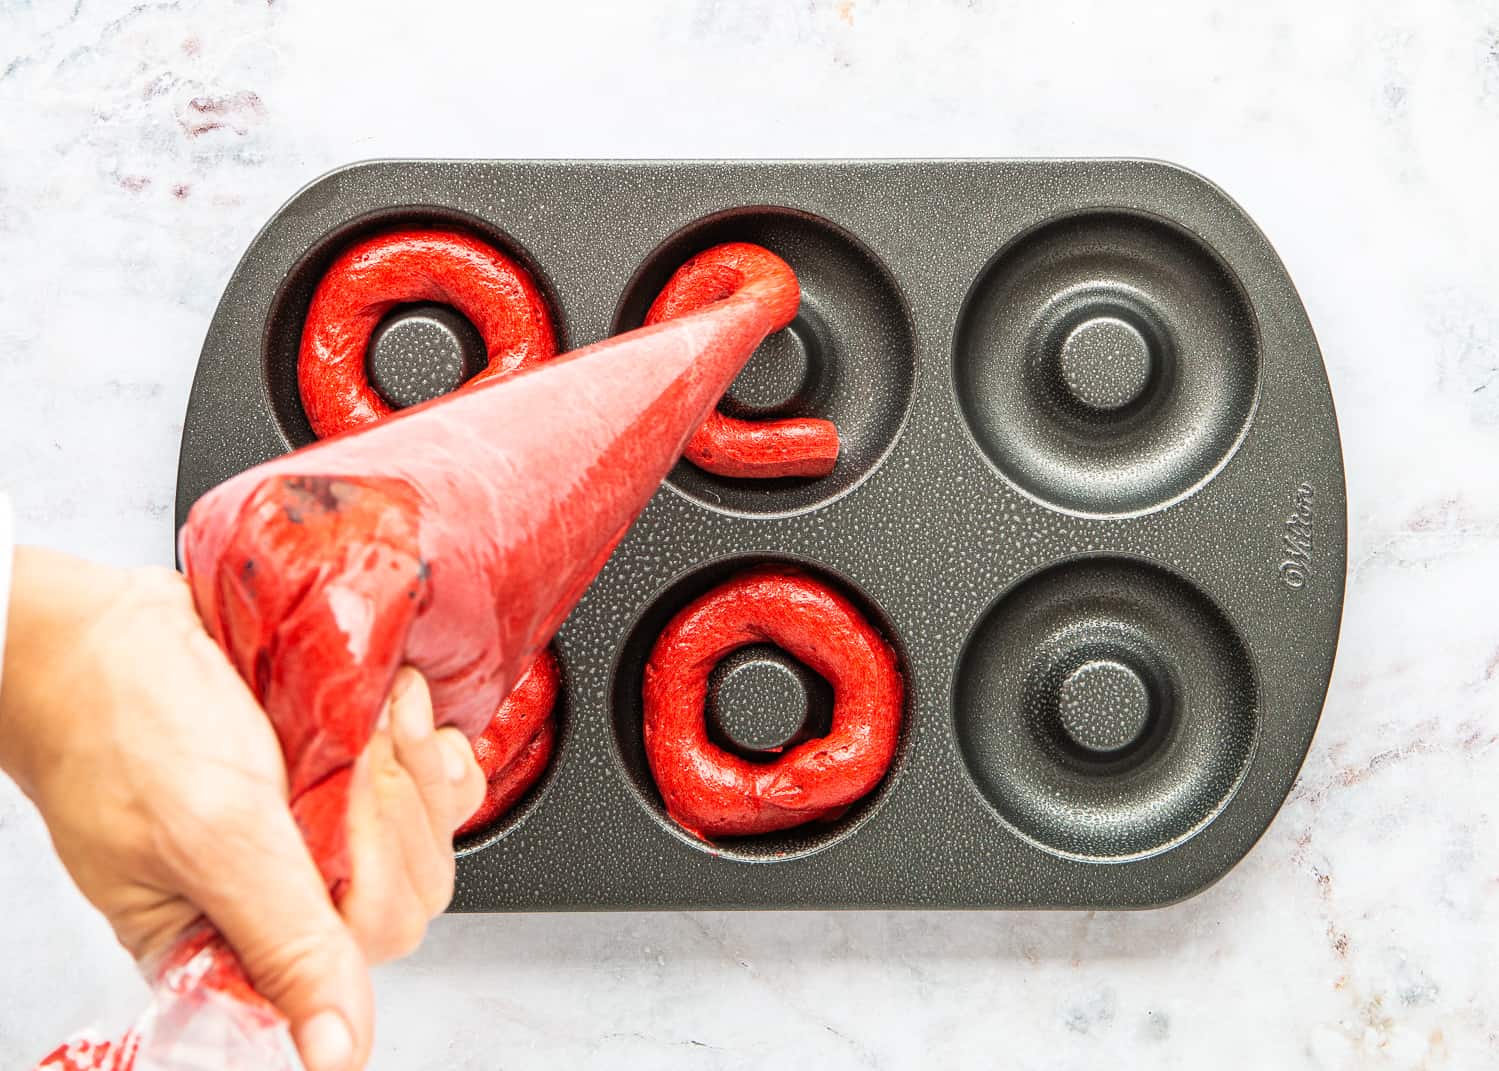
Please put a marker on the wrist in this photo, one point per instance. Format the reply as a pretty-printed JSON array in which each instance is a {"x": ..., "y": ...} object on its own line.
[{"x": 54, "y": 601}]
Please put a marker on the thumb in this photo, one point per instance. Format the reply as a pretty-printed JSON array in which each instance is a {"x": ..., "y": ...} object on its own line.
[{"x": 272, "y": 907}]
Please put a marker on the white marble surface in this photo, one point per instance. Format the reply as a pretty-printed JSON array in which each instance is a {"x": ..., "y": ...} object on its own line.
[{"x": 141, "y": 146}]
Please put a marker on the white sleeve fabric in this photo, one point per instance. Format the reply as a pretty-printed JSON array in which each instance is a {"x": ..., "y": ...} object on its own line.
[{"x": 7, "y": 552}]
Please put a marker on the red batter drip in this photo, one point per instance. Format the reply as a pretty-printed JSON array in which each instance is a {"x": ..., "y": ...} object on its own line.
[
  {"x": 514, "y": 747},
  {"x": 726, "y": 446},
  {"x": 89, "y": 1053},
  {"x": 373, "y": 276},
  {"x": 713, "y": 793}
]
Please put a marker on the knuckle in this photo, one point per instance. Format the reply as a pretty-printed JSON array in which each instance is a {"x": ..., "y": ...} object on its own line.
[
  {"x": 159, "y": 578},
  {"x": 391, "y": 780},
  {"x": 471, "y": 796},
  {"x": 291, "y": 962},
  {"x": 437, "y": 891},
  {"x": 425, "y": 761},
  {"x": 160, "y": 589},
  {"x": 392, "y": 776},
  {"x": 403, "y": 934},
  {"x": 388, "y": 925},
  {"x": 438, "y": 799}
]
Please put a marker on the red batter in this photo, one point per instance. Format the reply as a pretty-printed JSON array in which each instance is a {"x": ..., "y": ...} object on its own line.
[
  {"x": 713, "y": 793},
  {"x": 514, "y": 747},
  {"x": 375, "y": 275},
  {"x": 726, "y": 446}
]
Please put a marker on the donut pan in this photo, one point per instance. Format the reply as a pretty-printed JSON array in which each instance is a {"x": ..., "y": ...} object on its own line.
[{"x": 1090, "y": 487}]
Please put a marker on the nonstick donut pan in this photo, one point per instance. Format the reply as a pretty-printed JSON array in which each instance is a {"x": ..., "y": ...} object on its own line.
[{"x": 1090, "y": 488}]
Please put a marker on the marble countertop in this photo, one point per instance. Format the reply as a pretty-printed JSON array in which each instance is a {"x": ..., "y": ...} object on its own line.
[{"x": 142, "y": 145}]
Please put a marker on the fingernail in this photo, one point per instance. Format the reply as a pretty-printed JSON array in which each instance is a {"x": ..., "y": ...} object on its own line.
[
  {"x": 382, "y": 723},
  {"x": 453, "y": 763},
  {"x": 325, "y": 1042}
]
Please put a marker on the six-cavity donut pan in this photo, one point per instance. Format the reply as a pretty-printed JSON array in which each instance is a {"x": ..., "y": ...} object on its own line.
[{"x": 1090, "y": 488}]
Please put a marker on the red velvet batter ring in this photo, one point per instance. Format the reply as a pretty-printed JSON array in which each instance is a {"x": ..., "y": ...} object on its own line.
[
  {"x": 373, "y": 276},
  {"x": 713, "y": 793},
  {"x": 514, "y": 748},
  {"x": 727, "y": 446}
]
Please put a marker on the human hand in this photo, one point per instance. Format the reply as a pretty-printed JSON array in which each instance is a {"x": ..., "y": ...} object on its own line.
[{"x": 163, "y": 787}]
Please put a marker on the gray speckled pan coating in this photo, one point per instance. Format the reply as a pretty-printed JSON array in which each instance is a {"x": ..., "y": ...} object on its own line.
[{"x": 1091, "y": 487}]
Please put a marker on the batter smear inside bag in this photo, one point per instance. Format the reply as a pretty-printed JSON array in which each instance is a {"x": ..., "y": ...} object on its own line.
[{"x": 498, "y": 296}]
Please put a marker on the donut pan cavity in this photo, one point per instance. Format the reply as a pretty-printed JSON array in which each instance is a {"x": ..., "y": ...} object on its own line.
[{"x": 1090, "y": 487}]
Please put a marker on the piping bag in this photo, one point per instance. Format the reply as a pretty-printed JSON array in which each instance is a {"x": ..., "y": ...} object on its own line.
[{"x": 454, "y": 537}]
